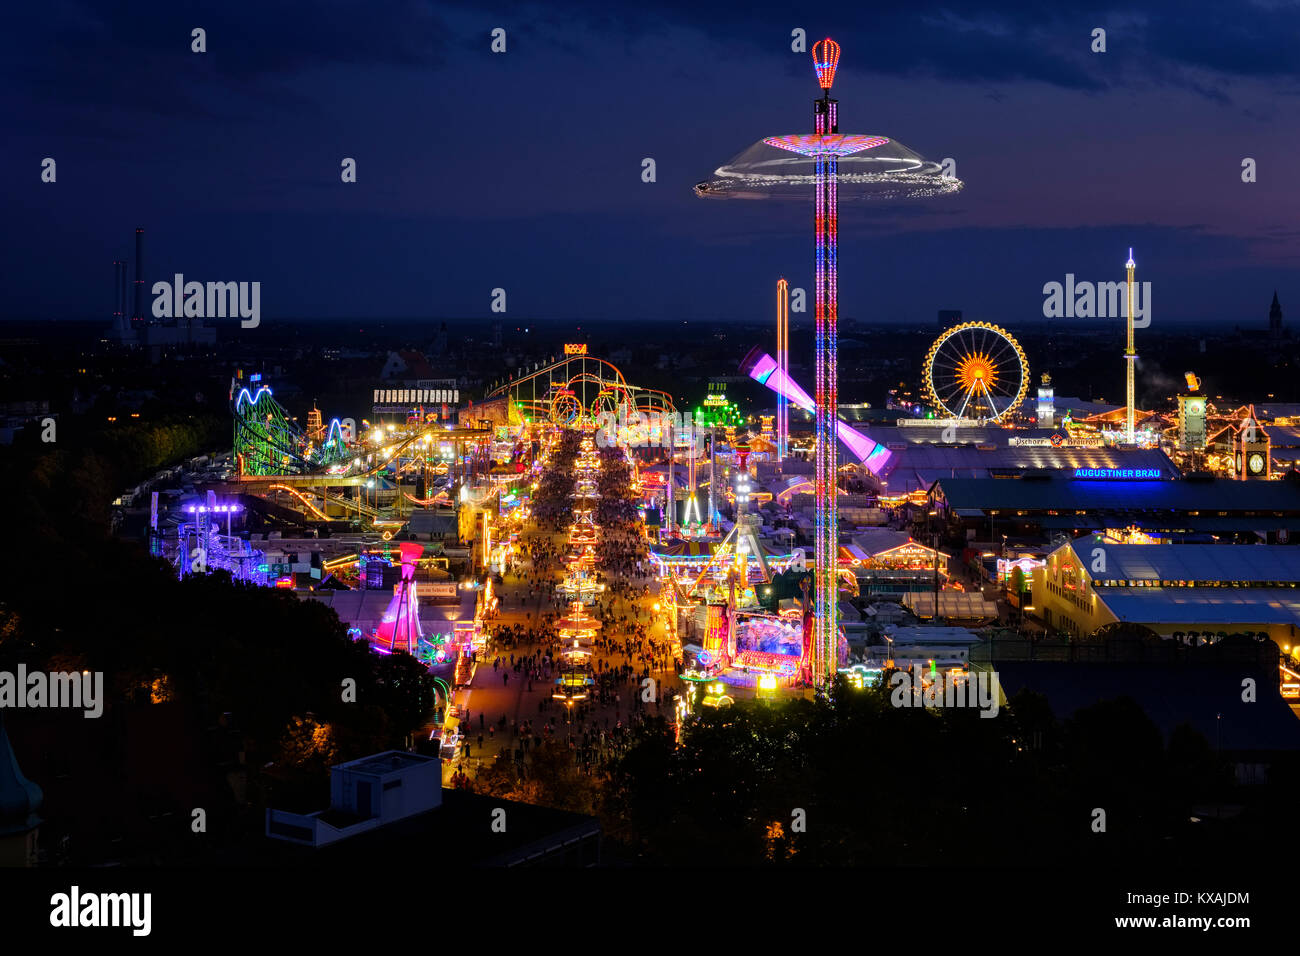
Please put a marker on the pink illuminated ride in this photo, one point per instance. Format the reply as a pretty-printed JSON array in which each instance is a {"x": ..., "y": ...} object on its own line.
[
  {"x": 763, "y": 368},
  {"x": 831, "y": 165},
  {"x": 399, "y": 629}
]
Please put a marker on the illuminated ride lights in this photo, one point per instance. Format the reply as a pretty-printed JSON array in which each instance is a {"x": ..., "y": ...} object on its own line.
[
  {"x": 575, "y": 678},
  {"x": 267, "y": 442},
  {"x": 578, "y": 585},
  {"x": 306, "y": 502},
  {"x": 835, "y": 144},
  {"x": 763, "y": 368},
  {"x": 715, "y": 695},
  {"x": 826, "y": 162},
  {"x": 826, "y": 59},
  {"x": 399, "y": 628},
  {"x": 976, "y": 371},
  {"x": 201, "y": 547},
  {"x": 783, "y": 363},
  {"x": 1130, "y": 359}
]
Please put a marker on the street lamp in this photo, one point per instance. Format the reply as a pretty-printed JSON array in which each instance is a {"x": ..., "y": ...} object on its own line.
[{"x": 934, "y": 534}]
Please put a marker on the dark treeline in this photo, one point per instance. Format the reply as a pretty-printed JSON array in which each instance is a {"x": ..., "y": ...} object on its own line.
[
  {"x": 876, "y": 785},
  {"x": 217, "y": 694}
]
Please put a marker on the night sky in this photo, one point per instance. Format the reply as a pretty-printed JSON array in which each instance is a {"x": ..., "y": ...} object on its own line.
[{"x": 522, "y": 170}]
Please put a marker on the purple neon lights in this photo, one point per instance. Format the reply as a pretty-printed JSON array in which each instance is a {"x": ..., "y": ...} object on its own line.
[
  {"x": 825, "y": 144},
  {"x": 762, "y": 368}
]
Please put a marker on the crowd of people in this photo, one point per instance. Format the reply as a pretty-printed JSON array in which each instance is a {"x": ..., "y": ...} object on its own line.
[{"x": 635, "y": 665}]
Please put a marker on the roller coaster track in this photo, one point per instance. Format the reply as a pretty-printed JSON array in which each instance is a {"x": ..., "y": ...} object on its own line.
[
  {"x": 303, "y": 498},
  {"x": 570, "y": 369},
  {"x": 320, "y": 479},
  {"x": 267, "y": 442},
  {"x": 349, "y": 504}
]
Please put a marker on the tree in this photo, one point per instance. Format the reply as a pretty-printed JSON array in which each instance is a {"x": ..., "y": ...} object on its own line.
[{"x": 1017, "y": 581}]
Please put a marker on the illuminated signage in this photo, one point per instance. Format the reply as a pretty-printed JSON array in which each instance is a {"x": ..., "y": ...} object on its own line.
[
  {"x": 716, "y": 399},
  {"x": 1120, "y": 474},
  {"x": 572, "y": 348},
  {"x": 1056, "y": 441},
  {"x": 444, "y": 590}
]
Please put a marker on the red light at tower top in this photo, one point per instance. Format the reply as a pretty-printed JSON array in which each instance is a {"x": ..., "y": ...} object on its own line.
[{"x": 826, "y": 57}]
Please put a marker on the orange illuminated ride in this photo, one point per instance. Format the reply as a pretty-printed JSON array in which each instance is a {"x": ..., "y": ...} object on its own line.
[
  {"x": 976, "y": 371},
  {"x": 575, "y": 679}
]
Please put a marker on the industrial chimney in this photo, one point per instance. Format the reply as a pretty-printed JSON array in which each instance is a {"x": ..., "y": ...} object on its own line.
[
  {"x": 117, "y": 295},
  {"x": 138, "y": 315}
]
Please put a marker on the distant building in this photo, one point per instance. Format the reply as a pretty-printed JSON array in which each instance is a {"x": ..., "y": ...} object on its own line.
[
  {"x": 1046, "y": 403},
  {"x": 949, "y": 317},
  {"x": 187, "y": 331},
  {"x": 1275, "y": 318},
  {"x": 1191, "y": 422},
  {"x": 890, "y": 564},
  {"x": 1252, "y": 451},
  {"x": 406, "y": 364},
  {"x": 15, "y": 416}
]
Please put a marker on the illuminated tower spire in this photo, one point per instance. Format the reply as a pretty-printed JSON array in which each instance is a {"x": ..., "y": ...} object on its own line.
[
  {"x": 783, "y": 363},
  {"x": 1130, "y": 358},
  {"x": 826, "y": 56}
]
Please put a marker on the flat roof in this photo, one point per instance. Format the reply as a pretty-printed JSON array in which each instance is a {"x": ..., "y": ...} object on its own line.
[
  {"x": 1203, "y": 605},
  {"x": 931, "y": 635},
  {"x": 967, "y": 605},
  {"x": 1068, "y": 494},
  {"x": 460, "y": 829},
  {"x": 387, "y": 762},
  {"x": 875, "y": 540},
  {"x": 1196, "y": 562},
  {"x": 921, "y": 465},
  {"x": 365, "y": 608}
]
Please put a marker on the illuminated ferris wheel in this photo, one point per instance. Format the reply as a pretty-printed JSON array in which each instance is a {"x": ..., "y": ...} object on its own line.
[{"x": 976, "y": 370}]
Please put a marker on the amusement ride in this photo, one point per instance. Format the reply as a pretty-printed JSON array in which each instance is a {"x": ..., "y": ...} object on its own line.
[{"x": 976, "y": 370}]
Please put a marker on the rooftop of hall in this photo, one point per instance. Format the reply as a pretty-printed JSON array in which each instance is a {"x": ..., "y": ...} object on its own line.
[
  {"x": 979, "y": 495},
  {"x": 918, "y": 466},
  {"x": 1242, "y": 563}
]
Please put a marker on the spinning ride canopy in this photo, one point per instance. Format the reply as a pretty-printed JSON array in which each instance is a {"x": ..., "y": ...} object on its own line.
[
  {"x": 867, "y": 167},
  {"x": 577, "y": 623}
]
